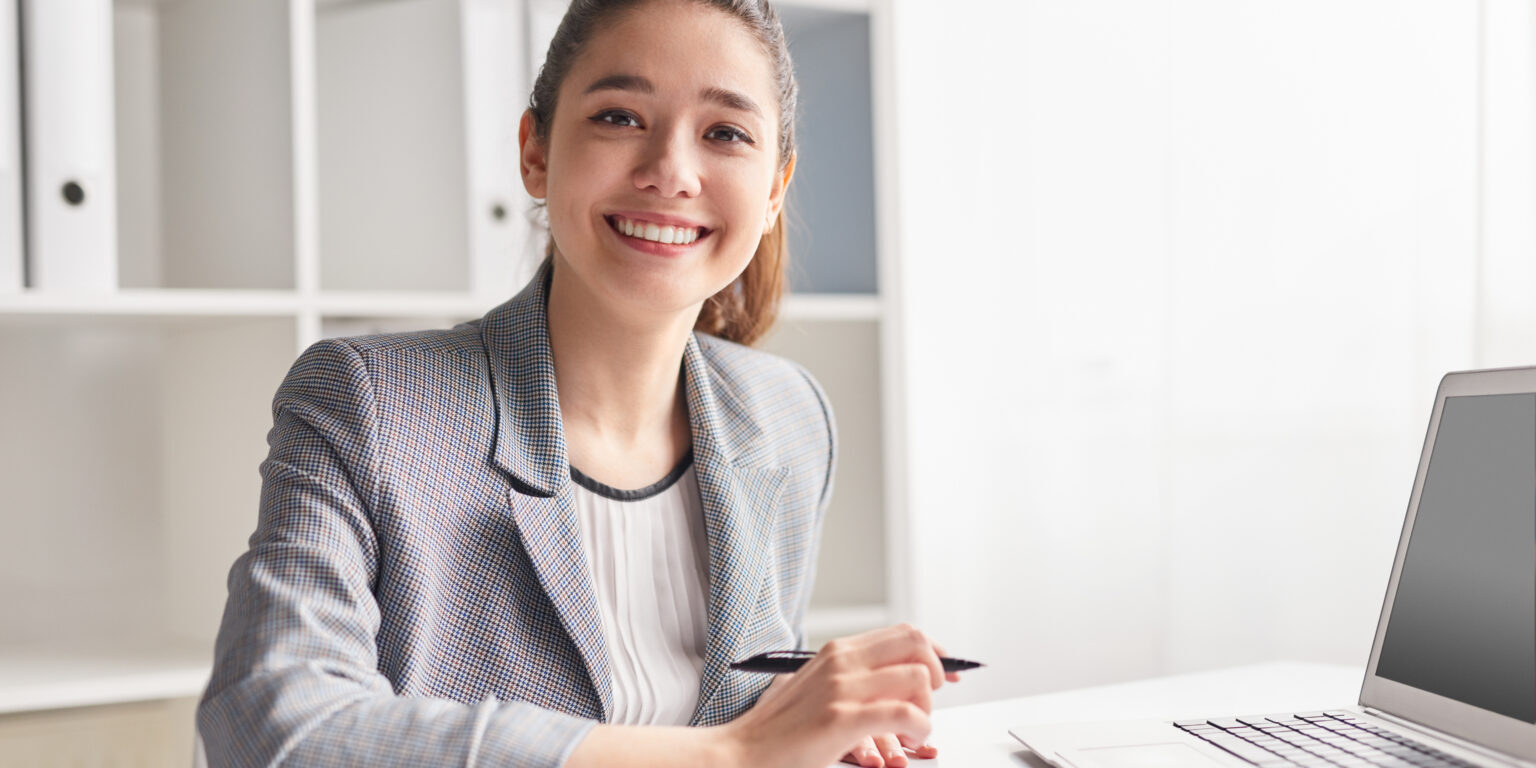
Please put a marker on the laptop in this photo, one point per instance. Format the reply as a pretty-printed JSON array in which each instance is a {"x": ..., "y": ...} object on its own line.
[{"x": 1452, "y": 674}]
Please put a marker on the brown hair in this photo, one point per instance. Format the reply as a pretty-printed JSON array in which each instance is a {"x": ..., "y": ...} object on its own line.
[{"x": 744, "y": 310}]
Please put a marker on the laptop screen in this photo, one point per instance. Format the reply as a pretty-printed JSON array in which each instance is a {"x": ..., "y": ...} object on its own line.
[{"x": 1463, "y": 622}]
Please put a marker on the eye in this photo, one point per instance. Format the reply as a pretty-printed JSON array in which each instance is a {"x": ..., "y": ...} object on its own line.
[
  {"x": 616, "y": 117},
  {"x": 729, "y": 135}
]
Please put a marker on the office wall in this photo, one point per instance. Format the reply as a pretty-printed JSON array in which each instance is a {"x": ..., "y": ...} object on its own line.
[{"x": 1179, "y": 280}]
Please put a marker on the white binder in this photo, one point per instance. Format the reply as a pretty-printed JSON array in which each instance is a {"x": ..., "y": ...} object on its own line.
[
  {"x": 71, "y": 185},
  {"x": 12, "y": 268},
  {"x": 494, "y": 67}
]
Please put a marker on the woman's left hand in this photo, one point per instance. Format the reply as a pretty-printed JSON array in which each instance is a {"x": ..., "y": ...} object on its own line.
[{"x": 887, "y": 750}]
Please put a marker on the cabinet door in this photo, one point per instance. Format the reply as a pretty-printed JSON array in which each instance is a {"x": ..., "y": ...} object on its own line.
[{"x": 156, "y": 733}]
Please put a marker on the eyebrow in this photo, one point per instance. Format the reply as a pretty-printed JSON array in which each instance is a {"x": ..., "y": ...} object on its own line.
[{"x": 722, "y": 96}]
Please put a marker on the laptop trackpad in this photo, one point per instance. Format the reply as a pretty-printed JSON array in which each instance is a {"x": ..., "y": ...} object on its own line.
[{"x": 1140, "y": 756}]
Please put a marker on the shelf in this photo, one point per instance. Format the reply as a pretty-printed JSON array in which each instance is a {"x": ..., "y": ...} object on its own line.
[
  {"x": 174, "y": 302},
  {"x": 841, "y": 6},
  {"x": 402, "y": 304},
  {"x": 215, "y": 303},
  {"x": 325, "y": 6},
  {"x": 831, "y": 306},
  {"x": 37, "y": 679},
  {"x": 155, "y": 303}
]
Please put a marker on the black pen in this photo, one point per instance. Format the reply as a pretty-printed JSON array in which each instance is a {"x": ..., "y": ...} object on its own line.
[{"x": 784, "y": 662}]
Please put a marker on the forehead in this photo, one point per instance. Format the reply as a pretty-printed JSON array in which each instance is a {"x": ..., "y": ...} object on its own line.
[{"x": 684, "y": 48}]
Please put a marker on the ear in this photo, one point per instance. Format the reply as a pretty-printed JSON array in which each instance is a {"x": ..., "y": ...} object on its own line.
[
  {"x": 776, "y": 195},
  {"x": 533, "y": 158}
]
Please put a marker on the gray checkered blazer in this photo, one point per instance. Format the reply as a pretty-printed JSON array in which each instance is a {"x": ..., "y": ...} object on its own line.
[{"x": 416, "y": 593}]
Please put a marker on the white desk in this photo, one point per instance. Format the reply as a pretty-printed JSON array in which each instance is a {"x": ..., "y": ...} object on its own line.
[{"x": 976, "y": 736}]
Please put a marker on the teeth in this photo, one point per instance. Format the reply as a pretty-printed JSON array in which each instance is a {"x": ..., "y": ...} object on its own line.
[{"x": 656, "y": 233}]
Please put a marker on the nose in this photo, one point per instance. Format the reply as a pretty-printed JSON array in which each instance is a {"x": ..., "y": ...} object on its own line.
[{"x": 670, "y": 166}]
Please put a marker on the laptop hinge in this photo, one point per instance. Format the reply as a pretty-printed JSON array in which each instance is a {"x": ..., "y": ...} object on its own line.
[{"x": 1497, "y": 757}]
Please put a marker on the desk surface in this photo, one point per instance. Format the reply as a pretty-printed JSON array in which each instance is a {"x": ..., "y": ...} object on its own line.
[{"x": 977, "y": 734}]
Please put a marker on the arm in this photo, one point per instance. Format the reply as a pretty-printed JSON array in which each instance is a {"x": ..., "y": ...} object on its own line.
[
  {"x": 639, "y": 746},
  {"x": 876, "y": 682},
  {"x": 295, "y": 674}
]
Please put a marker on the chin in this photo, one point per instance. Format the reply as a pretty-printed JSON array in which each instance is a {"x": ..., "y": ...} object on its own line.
[{"x": 659, "y": 296}]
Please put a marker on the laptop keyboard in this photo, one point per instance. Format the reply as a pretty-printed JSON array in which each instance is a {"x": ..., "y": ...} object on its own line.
[{"x": 1317, "y": 740}]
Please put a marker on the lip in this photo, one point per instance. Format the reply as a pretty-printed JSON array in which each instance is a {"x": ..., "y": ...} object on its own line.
[{"x": 651, "y": 247}]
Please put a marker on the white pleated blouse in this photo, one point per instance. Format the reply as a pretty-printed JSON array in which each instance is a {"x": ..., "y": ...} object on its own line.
[{"x": 646, "y": 554}]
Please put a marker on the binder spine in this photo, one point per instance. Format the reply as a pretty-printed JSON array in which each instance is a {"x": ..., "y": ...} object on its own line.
[
  {"x": 12, "y": 264},
  {"x": 68, "y": 145}
]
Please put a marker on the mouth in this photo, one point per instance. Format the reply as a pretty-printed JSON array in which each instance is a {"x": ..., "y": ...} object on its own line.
[{"x": 654, "y": 232}]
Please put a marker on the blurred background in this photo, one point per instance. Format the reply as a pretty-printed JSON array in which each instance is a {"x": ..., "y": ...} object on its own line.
[{"x": 1132, "y": 312}]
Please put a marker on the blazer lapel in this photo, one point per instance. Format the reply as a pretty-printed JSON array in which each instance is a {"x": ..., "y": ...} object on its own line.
[
  {"x": 739, "y": 494},
  {"x": 530, "y": 445},
  {"x": 738, "y": 485}
]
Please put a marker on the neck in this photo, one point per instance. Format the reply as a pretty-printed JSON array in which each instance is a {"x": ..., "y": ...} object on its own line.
[{"x": 619, "y": 376}]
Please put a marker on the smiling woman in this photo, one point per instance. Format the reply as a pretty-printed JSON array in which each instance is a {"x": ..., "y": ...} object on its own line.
[{"x": 542, "y": 537}]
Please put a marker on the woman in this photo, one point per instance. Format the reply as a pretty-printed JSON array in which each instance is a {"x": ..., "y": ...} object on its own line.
[{"x": 444, "y": 572}]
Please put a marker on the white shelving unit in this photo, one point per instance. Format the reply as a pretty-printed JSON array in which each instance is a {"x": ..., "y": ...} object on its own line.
[{"x": 289, "y": 171}]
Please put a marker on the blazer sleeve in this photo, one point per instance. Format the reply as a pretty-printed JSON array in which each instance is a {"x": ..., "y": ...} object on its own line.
[{"x": 295, "y": 677}]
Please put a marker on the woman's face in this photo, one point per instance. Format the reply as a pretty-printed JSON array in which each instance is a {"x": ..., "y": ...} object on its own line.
[{"x": 661, "y": 170}]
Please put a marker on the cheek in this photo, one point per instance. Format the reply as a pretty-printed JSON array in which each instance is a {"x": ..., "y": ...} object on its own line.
[
  {"x": 747, "y": 196},
  {"x": 574, "y": 179}
]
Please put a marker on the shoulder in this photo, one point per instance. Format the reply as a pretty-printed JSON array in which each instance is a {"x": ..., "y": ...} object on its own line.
[
  {"x": 388, "y": 349},
  {"x": 762, "y": 383},
  {"x": 782, "y": 402},
  {"x": 461, "y": 338},
  {"x": 354, "y": 371}
]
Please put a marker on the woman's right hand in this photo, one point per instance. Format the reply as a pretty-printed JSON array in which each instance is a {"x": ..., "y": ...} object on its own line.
[{"x": 877, "y": 682}]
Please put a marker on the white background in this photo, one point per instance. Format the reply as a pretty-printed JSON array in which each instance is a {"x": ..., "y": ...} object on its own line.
[{"x": 1179, "y": 280}]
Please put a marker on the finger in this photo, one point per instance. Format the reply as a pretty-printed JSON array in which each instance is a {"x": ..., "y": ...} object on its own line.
[
  {"x": 874, "y": 637},
  {"x": 890, "y": 716},
  {"x": 904, "y": 682},
  {"x": 921, "y": 749},
  {"x": 865, "y": 754},
  {"x": 953, "y": 677},
  {"x": 900, "y": 644},
  {"x": 890, "y": 749}
]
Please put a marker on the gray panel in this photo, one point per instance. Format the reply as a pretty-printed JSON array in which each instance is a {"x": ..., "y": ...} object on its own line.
[{"x": 831, "y": 208}]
